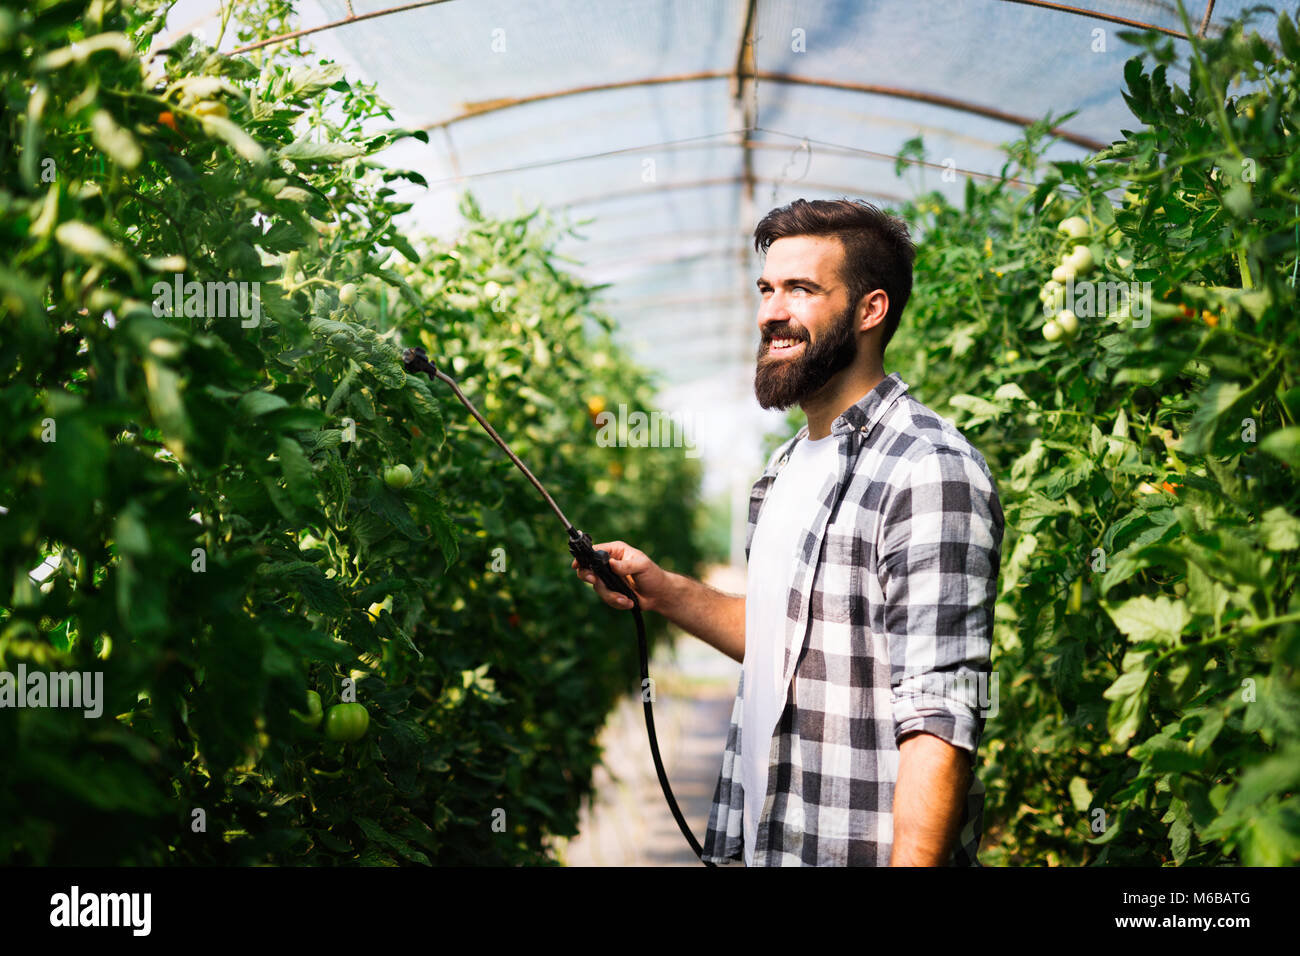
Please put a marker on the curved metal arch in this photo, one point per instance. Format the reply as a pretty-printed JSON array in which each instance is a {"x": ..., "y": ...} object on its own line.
[
  {"x": 712, "y": 142},
  {"x": 724, "y": 181},
  {"x": 767, "y": 76},
  {"x": 1114, "y": 18},
  {"x": 350, "y": 19},
  {"x": 403, "y": 8}
]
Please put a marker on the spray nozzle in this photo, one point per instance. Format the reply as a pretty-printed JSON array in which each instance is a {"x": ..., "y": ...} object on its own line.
[{"x": 417, "y": 360}]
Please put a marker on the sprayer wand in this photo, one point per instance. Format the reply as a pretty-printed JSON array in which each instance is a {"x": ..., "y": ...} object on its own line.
[
  {"x": 588, "y": 558},
  {"x": 417, "y": 360}
]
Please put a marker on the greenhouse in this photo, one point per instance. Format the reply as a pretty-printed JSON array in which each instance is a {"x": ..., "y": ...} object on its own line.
[{"x": 404, "y": 404}]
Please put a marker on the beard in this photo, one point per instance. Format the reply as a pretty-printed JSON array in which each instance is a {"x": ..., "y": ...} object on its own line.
[{"x": 784, "y": 382}]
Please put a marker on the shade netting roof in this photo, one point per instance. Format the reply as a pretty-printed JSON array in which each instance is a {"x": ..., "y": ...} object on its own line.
[{"x": 674, "y": 125}]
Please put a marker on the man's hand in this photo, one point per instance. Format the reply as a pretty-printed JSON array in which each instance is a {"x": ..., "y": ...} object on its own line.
[
  {"x": 933, "y": 779},
  {"x": 646, "y": 578},
  {"x": 716, "y": 618}
]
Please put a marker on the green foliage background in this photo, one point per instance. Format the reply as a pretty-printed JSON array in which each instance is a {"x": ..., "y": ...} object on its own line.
[
  {"x": 220, "y": 532},
  {"x": 1147, "y": 632}
]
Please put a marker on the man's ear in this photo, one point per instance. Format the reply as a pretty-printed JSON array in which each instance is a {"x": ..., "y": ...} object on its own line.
[{"x": 872, "y": 310}]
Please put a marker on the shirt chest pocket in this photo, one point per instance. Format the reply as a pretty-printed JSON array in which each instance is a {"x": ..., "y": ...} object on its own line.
[
  {"x": 836, "y": 582},
  {"x": 847, "y": 585}
]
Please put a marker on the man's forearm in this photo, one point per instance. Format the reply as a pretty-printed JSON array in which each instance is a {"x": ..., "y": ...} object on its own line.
[
  {"x": 933, "y": 780},
  {"x": 711, "y": 615}
]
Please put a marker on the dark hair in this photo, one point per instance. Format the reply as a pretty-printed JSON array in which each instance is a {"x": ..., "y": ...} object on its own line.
[{"x": 878, "y": 252}]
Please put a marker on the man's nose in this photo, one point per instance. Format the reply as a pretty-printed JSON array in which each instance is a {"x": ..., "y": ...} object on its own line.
[{"x": 772, "y": 309}]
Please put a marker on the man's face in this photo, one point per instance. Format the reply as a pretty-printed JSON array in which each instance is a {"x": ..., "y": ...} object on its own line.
[{"x": 806, "y": 321}]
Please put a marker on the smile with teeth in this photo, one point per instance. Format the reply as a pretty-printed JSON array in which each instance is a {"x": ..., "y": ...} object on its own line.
[{"x": 777, "y": 345}]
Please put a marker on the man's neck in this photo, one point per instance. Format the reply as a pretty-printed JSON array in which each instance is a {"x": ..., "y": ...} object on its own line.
[{"x": 846, "y": 389}]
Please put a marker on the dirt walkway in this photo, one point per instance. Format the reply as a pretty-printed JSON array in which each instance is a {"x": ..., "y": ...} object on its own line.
[{"x": 630, "y": 823}]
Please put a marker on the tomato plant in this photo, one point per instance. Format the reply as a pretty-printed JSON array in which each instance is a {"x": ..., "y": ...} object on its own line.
[
  {"x": 213, "y": 496},
  {"x": 1148, "y": 627}
]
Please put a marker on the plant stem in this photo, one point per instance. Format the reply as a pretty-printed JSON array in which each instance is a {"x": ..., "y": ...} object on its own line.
[{"x": 1272, "y": 622}]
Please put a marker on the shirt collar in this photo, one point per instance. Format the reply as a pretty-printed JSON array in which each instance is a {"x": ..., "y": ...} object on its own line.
[
  {"x": 863, "y": 414},
  {"x": 860, "y": 417}
]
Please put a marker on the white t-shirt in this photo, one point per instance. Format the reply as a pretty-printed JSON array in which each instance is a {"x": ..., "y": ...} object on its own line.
[{"x": 788, "y": 512}]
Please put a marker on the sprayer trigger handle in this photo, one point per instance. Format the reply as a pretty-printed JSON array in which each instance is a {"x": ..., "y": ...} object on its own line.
[
  {"x": 612, "y": 580},
  {"x": 597, "y": 561}
]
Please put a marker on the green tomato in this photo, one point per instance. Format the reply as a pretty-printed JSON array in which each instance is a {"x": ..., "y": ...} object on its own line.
[
  {"x": 347, "y": 722},
  {"x": 1076, "y": 596},
  {"x": 1052, "y": 295},
  {"x": 1076, "y": 227},
  {"x": 1081, "y": 259},
  {"x": 1011, "y": 356},
  {"x": 1068, "y": 321},
  {"x": 1064, "y": 272},
  {"x": 314, "y": 710},
  {"x": 398, "y": 476},
  {"x": 348, "y": 294},
  {"x": 1052, "y": 331}
]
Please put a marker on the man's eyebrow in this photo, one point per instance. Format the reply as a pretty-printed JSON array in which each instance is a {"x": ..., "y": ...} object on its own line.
[{"x": 809, "y": 283}]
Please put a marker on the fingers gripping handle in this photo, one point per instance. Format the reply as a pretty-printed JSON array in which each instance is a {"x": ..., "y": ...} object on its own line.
[{"x": 590, "y": 559}]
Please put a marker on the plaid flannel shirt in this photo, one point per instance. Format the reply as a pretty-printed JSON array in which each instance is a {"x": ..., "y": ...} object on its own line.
[{"x": 889, "y": 627}]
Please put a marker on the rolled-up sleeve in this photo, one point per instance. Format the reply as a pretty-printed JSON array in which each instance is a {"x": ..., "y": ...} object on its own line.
[{"x": 939, "y": 552}]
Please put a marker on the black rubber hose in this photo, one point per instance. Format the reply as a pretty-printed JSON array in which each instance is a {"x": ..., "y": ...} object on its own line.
[{"x": 654, "y": 740}]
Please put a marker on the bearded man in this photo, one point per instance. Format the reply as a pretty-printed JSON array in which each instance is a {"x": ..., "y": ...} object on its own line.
[{"x": 873, "y": 550}]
